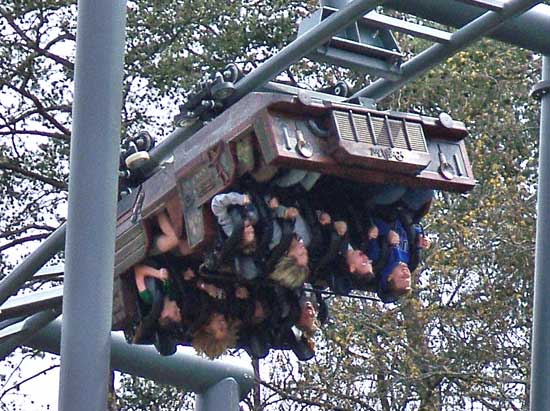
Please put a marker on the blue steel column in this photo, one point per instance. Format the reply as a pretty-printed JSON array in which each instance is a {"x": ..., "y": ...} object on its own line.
[
  {"x": 88, "y": 284},
  {"x": 224, "y": 396},
  {"x": 540, "y": 352}
]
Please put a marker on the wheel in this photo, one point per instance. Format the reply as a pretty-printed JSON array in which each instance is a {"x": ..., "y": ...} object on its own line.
[
  {"x": 222, "y": 90},
  {"x": 341, "y": 89},
  {"x": 136, "y": 160},
  {"x": 232, "y": 73},
  {"x": 127, "y": 148},
  {"x": 185, "y": 119},
  {"x": 144, "y": 141}
]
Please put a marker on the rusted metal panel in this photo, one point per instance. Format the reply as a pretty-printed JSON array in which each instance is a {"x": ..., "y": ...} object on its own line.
[
  {"x": 158, "y": 189},
  {"x": 379, "y": 142},
  {"x": 232, "y": 124},
  {"x": 449, "y": 162},
  {"x": 279, "y": 136},
  {"x": 212, "y": 174},
  {"x": 124, "y": 303},
  {"x": 133, "y": 252},
  {"x": 357, "y": 153},
  {"x": 129, "y": 229},
  {"x": 133, "y": 236}
]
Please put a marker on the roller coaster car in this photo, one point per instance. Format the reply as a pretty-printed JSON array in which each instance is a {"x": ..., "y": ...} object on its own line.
[{"x": 286, "y": 131}]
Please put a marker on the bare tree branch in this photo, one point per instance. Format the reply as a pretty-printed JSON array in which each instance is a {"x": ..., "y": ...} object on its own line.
[
  {"x": 13, "y": 121},
  {"x": 33, "y": 45},
  {"x": 23, "y": 240},
  {"x": 288, "y": 396},
  {"x": 26, "y": 228},
  {"x": 16, "y": 386},
  {"x": 48, "y": 134},
  {"x": 43, "y": 111},
  {"x": 6, "y": 165}
]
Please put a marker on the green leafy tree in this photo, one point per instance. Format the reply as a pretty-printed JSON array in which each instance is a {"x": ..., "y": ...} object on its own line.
[{"x": 462, "y": 339}]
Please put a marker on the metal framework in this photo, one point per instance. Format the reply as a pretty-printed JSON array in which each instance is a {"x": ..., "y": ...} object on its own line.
[
  {"x": 86, "y": 352},
  {"x": 186, "y": 371},
  {"x": 540, "y": 355}
]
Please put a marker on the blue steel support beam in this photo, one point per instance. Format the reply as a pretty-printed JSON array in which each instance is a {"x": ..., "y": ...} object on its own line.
[
  {"x": 531, "y": 30},
  {"x": 25, "y": 330},
  {"x": 272, "y": 67},
  {"x": 223, "y": 396},
  {"x": 540, "y": 351},
  {"x": 312, "y": 39},
  {"x": 90, "y": 243},
  {"x": 186, "y": 371},
  {"x": 31, "y": 303},
  {"x": 439, "y": 52},
  {"x": 30, "y": 265}
]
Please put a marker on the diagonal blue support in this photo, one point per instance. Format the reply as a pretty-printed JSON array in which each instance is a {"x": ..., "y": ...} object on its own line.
[
  {"x": 19, "y": 334},
  {"x": 531, "y": 30},
  {"x": 314, "y": 38},
  {"x": 30, "y": 265},
  {"x": 439, "y": 52},
  {"x": 31, "y": 303}
]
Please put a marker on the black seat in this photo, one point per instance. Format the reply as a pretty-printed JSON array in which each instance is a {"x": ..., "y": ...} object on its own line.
[
  {"x": 227, "y": 246},
  {"x": 287, "y": 234},
  {"x": 149, "y": 315}
]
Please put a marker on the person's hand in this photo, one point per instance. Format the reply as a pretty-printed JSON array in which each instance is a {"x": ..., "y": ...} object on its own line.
[
  {"x": 373, "y": 232},
  {"x": 188, "y": 274},
  {"x": 341, "y": 227},
  {"x": 246, "y": 199},
  {"x": 163, "y": 274},
  {"x": 393, "y": 238},
  {"x": 211, "y": 290},
  {"x": 241, "y": 293},
  {"x": 291, "y": 212},
  {"x": 215, "y": 292},
  {"x": 324, "y": 218}
]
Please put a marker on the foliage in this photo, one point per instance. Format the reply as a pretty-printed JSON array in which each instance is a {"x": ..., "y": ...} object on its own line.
[
  {"x": 460, "y": 341},
  {"x": 139, "y": 394}
]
